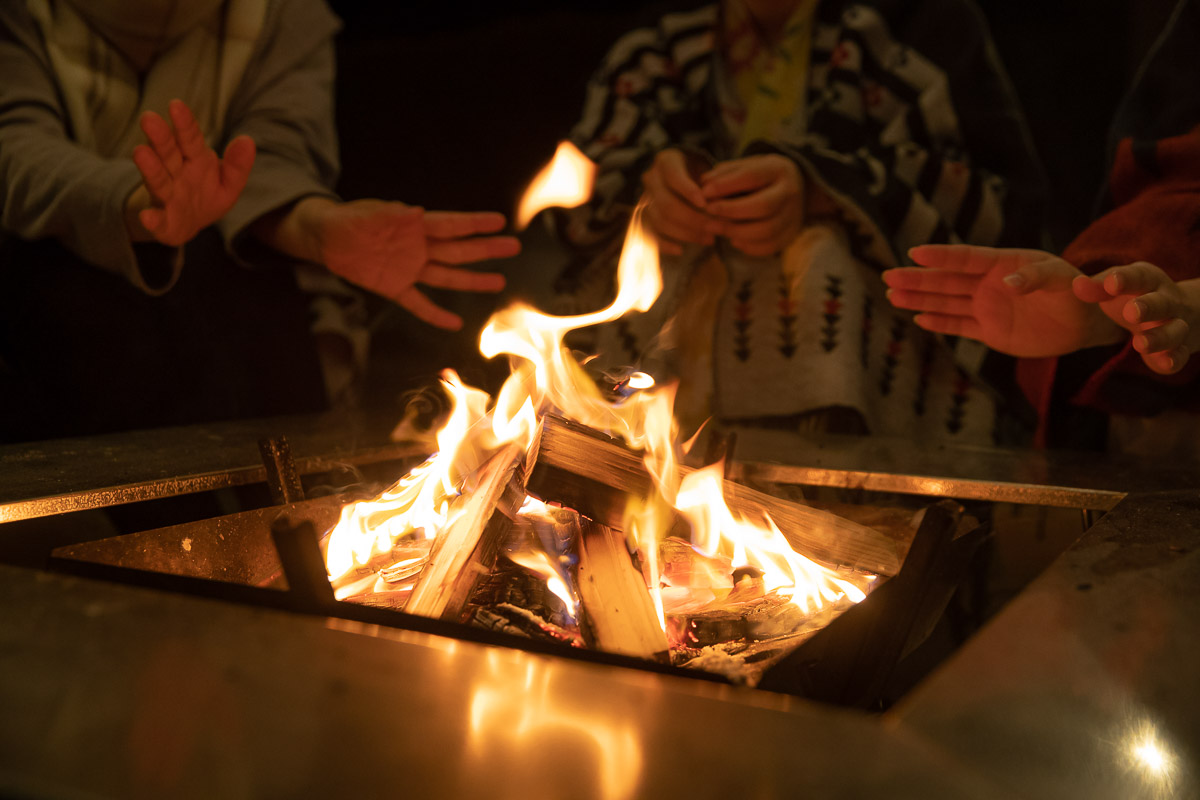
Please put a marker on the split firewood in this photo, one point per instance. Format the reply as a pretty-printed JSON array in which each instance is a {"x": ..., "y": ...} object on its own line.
[
  {"x": 465, "y": 552},
  {"x": 594, "y": 474},
  {"x": 618, "y": 614}
]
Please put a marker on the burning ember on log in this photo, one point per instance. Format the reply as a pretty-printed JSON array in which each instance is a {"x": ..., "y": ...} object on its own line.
[{"x": 672, "y": 571}]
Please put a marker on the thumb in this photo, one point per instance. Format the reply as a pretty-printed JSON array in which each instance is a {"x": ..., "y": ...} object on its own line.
[
  {"x": 236, "y": 163},
  {"x": 1048, "y": 274}
]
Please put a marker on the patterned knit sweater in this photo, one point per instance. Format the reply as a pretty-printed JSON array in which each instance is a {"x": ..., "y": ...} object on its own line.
[{"x": 911, "y": 129}]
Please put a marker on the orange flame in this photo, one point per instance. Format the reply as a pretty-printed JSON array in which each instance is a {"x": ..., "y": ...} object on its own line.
[
  {"x": 786, "y": 572},
  {"x": 566, "y": 182},
  {"x": 546, "y": 377}
]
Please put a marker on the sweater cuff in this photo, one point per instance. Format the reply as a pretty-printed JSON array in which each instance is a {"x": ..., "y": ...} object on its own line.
[
  {"x": 274, "y": 184},
  {"x": 102, "y": 239}
]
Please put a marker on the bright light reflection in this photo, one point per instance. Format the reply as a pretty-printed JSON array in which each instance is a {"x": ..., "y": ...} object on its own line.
[{"x": 1151, "y": 756}]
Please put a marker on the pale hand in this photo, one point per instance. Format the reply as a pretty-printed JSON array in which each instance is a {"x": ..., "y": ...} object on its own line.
[
  {"x": 1162, "y": 315},
  {"x": 675, "y": 210},
  {"x": 389, "y": 248},
  {"x": 1018, "y": 302},
  {"x": 186, "y": 187},
  {"x": 756, "y": 202}
]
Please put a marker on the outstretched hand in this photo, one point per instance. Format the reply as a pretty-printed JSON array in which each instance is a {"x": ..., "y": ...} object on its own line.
[
  {"x": 186, "y": 187},
  {"x": 1162, "y": 315},
  {"x": 389, "y": 248},
  {"x": 1019, "y": 302}
]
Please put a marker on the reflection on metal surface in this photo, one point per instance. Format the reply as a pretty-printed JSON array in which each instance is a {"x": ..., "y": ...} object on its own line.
[
  {"x": 516, "y": 707},
  {"x": 960, "y": 488},
  {"x": 1149, "y": 756}
]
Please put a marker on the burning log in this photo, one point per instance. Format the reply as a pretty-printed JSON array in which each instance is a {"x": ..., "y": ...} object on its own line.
[
  {"x": 620, "y": 614},
  {"x": 594, "y": 474},
  {"x": 465, "y": 552}
]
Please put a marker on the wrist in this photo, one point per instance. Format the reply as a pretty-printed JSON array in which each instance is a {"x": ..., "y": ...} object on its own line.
[{"x": 137, "y": 201}]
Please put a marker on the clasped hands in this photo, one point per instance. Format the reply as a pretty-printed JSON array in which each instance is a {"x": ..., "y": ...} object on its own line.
[
  {"x": 1030, "y": 303},
  {"x": 756, "y": 202}
]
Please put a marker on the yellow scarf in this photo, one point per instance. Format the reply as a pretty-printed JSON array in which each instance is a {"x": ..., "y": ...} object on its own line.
[{"x": 770, "y": 81}]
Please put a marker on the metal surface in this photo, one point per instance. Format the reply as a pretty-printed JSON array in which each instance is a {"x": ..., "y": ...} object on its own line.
[
  {"x": 1036, "y": 477},
  {"x": 1087, "y": 684},
  {"x": 283, "y": 479},
  {"x": 235, "y": 548},
  {"x": 120, "y": 692},
  {"x": 47, "y": 478}
]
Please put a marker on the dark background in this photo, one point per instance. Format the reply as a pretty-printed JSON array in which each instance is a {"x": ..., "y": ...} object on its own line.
[{"x": 456, "y": 106}]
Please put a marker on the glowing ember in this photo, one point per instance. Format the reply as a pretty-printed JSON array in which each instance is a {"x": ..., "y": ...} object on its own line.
[{"x": 545, "y": 378}]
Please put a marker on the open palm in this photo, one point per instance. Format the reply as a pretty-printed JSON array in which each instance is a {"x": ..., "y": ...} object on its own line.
[
  {"x": 189, "y": 186},
  {"x": 390, "y": 248},
  {"x": 1019, "y": 302}
]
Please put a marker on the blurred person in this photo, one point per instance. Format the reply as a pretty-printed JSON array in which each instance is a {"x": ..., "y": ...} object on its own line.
[
  {"x": 103, "y": 326},
  {"x": 790, "y": 151},
  {"x": 1121, "y": 306}
]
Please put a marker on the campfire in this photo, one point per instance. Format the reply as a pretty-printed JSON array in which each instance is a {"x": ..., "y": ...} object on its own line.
[{"x": 561, "y": 509}]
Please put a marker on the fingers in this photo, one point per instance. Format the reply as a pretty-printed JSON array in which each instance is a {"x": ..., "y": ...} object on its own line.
[
  {"x": 154, "y": 174},
  {"x": 1168, "y": 362},
  {"x": 162, "y": 139},
  {"x": 671, "y": 213},
  {"x": 457, "y": 224},
  {"x": 671, "y": 167},
  {"x": 236, "y": 164},
  {"x": 1137, "y": 278},
  {"x": 466, "y": 251},
  {"x": 187, "y": 130},
  {"x": 919, "y": 279},
  {"x": 1153, "y": 307},
  {"x": 757, "y": 205},
  {"x": 738, "y": 177},
  {"x": 462, "y": 280},
  {"x": 152, "y": 219},
  {"x": 939, "y": 304},
  {"x": 426, "y": 310},
  {"x": 670, "y": 216},
  {"x": 1046, "y": 273},
  {"x": 1167, "y": 336}
]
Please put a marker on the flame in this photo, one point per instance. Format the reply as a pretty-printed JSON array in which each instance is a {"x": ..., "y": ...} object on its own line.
[
  {"x": 566, "y": 182},
  {"x": 546, "y": 377},
  {"x": 786, "y": 572}
]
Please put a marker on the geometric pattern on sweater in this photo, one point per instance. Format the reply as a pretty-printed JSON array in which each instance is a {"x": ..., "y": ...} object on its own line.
[{"x": 831, "y": 312}]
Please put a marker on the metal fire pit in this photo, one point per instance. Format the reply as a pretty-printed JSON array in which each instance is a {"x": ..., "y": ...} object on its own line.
[{"x": 127, "y": 690}]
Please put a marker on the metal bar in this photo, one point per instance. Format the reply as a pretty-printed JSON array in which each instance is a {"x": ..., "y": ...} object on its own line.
[
  {"x": 283, "y": 480},
  {"x": 156, "y": 489},
  {"x": 958, "y": 488},
  {"x": 303, "y": 565}
]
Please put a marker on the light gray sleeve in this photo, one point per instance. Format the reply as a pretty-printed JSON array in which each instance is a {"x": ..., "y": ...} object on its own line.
[
  {"x": 51, "y": 187},
  {"x": 286, "y": 106}
]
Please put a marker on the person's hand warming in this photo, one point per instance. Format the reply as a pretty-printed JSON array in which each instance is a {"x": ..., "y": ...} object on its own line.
[
  {"x": 756, "y": 202},
  {"x": 186, "y": 187},
  {"x": 1163, "y": 316},
  {"x": 389, "y": 248},
  {"x": 676, "y": 205},
  {"x": 1019, "y": 302}
]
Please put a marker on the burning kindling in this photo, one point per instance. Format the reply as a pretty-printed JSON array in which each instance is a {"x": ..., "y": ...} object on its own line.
[{"x": 560, "y": 509}]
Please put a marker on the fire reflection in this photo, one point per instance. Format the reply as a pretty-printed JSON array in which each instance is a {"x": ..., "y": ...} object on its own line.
[{"x": 518, "y": 709}]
